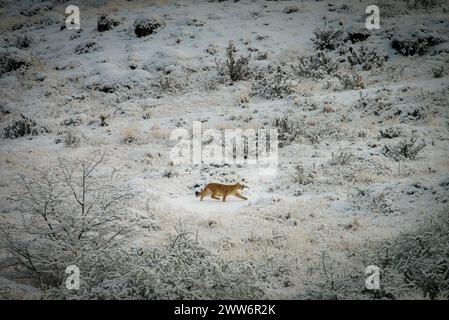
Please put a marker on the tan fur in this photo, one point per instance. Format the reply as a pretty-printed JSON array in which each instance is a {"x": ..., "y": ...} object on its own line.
[{"x": 217, "y": 189}]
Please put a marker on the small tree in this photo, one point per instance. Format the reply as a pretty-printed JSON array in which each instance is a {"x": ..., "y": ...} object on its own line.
[{"x": 62, "y": 214}]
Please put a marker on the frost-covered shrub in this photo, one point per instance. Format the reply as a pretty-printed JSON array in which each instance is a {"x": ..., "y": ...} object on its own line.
[
  {"x": 235, "y": 67},
  {"x": 145, "y": 26},
  {"x": 350, "y": 80},
  {"x": 333, "y": 280},
  {"x": 71, "y": 139},
  {"x": 438, "y": 72},
  {"x": 420, "y": 256},
  {"x": 288, "y": 130},
  {"x": 424, "y": 4},
  {"x": 328, "y": 38},
  {"x": 274, "y": 82},
  {"x": 107, "y": 22},
  {"x": 130, "y": 136},
  {"x": 23, "y": 127},
  {"x": 67, "y": 212},
  {"x": 405, "y": 149},
  {"x": 390, "y": 133},
  {"x": 180, "y": 269},
  {"x": 413, "y": 264},
  {"x": 316, "y": 66},
  {"x": 303, "y": 176},
  {"x": 416, "y": 42},
  {"x": 342, "y": 157},
  {"x": 291, "y": 9},
  {"x": 366, "y": 58},
  {"x": 356, "y": 34},
  {"x": 12, "y": 59},
  {"x": 87, "y": 47},
  {"x": 374, "y": 105},
  {"x": 170, "y": 81},
  {"x": 20, "y": 41}
]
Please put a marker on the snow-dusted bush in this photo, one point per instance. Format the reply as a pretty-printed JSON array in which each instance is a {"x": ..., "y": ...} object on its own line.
[
  {"x": 180, "y": 269},
  {"x": 288, "y": 130},
  {"x": 107, "y": 22},
  {"x": 235, "y": 67},
  {"x": 366, "y": 58},
  {"x": 350, "y": 80},
  {"x": 303, "y": 176},
  {"x": 421, "y": 256},
  {"x": 87, "y": 47},
  {"x": 145, "y": 26},
  {"x": 131, "y": 135},
  {"x": 424, "y": 4},
  {"x": 438, "y": 72},
  {"x": 20, "y": 41},
  {"x": 415, "y": 42},
  {"x": 405, "y": 149},
  {"x": 376, "y": 105},
  {"x": 317, "y": 66},
  {"x": 413, "y": 264},
  {"x": 342, "y": 157},
  {"x": 167, "y": 82},
  {"x": 23, "y": 127},
  {"x": 328, "y": 38},
  {"x": 390, "y": 133},
  {"x": 274, "y": 82},
  {"x": 67, "y": 212},
  {"x": 72, "y": 139},
  {"x": 12, "y": 59},
  {"x": 291, "y": 9}
]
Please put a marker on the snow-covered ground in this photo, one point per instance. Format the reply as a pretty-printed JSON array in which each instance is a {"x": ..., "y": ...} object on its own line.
[{"x": 124, "y": 94}]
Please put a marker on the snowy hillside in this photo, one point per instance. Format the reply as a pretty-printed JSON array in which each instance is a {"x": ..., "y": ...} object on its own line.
[{"x": 363, "y": 123}]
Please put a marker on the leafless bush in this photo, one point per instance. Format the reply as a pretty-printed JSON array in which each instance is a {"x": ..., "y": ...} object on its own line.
[
  {"x": 335, "y": 281},
  {"x": 66, "y": 213},
  {"x": 366, "y": 58},
  {"x": 235, "y": 67}
]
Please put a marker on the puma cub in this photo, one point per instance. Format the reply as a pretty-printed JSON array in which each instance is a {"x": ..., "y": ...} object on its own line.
[{"x": 218, "y": 189}]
